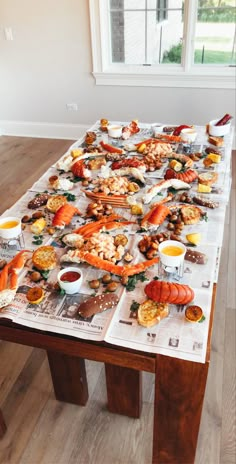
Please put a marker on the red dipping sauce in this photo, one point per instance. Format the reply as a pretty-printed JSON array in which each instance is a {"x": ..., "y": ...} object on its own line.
[{"x": 70, "y": 276}]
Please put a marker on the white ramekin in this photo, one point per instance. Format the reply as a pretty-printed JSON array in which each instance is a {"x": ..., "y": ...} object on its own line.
[
  {"x": 171, "y": 261},
  {"x": 188, "y": 135},
  {"x": 114, "y": 131},
  {"x": 70, "y": 287},
  {"x": 218, "y": 131},
  {"x": 11, "y": 232}
]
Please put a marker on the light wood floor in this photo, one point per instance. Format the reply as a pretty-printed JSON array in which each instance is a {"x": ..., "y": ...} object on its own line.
[{"x": 42, "y": 430}]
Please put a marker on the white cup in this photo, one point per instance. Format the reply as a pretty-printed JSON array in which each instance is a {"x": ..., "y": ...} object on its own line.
[
  {"x": 70, "y": 287},
  {"x": 166, "y": 249},
  {"x": 10, "y": 227},
  {"x": 114, "y": 131},
  {"x": 157, "y": 129},
  {"x": 188, "y": 135}
]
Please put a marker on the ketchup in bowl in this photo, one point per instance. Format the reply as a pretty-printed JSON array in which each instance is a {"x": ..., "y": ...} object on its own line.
[
  {"x": 70, "y": 279},
  {"x": 70, "y": 276}
]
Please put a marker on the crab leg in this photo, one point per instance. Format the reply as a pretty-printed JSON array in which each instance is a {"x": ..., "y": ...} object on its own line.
[
  {"x": 108, "y": 226},
  {"x": 4, "y": 278},
  {"x": 119, "y": 201},
  {"x": 18, "y": 262},
  {"x": 146, "y": 142},
  {"x": 87, "y": 227},
  {"x": 105, "y": 265},
  {"x": 186, "y": 160},
  {"x": 164, "y": 184},
  {"x": 9, "y": 278}
]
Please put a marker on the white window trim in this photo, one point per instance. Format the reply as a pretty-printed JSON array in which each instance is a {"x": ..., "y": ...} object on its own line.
[{"x": 184, "y": 75}]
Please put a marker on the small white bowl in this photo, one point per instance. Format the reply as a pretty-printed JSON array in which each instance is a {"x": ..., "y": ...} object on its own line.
[
  {"x": 114, "y": 131},
  {"x": 218, "y": 131},
  {"x": 171, "y": 260},
  {"x": 70, "y": 287},
  {"x": 10, "y": 227},
  {"x": 188, "y": 135},
  {"x": 157, "y": 129}
]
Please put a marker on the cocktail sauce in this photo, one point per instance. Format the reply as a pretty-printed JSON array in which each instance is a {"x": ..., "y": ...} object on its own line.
[{"x": 70, "y": 276}]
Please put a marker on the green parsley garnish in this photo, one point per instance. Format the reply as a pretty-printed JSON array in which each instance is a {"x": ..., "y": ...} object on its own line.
[
  {"x": 69, "y": 196},
  {"x": 133, "y": 280},
  {"x": 134, "y": 306}
]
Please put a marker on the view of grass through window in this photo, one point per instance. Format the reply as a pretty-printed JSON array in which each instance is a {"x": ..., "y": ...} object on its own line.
[{"x": 215, "y": 37}]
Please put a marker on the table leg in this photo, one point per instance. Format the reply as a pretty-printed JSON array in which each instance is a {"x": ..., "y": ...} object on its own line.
[
  {"x": 69, "y": 378},
  {"x": 124, "y": 390},
  {"x": 179, "y": 393},
  {"x": 3, "y": 427}
]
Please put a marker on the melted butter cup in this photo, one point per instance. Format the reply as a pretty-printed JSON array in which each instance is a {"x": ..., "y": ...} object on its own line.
[{"x": 10, "y": 227}]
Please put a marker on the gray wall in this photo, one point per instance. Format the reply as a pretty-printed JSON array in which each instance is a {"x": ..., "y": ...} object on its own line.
[{"x": 49, "y": 64}]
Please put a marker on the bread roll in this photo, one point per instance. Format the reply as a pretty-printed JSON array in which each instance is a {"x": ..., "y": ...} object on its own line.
[
  {"x": 97, "y": 304},
  {"x": 195, "y": 257},
  {"x": 55, "y": 202},
  {"x": 44, "y": 258},
  {"x": 208, "y": 178},
  {"x": 217, "y": 141},
  {"x": 191, "y": 214},
  {"x": 151, "y": 313}
]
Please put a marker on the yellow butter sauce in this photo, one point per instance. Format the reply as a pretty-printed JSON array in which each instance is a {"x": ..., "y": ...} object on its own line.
[
  {"x": 172, "y": 250},
  {"x": 9, "y": 224}
]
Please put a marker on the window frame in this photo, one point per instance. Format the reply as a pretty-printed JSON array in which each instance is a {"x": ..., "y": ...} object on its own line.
[
  {"x": 165, "y": 13},
  {"x": 187, "y": 74}
]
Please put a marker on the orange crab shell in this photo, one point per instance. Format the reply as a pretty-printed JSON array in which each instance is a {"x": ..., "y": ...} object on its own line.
[
  {"x": 79, "y": 169},
  {"x": 64, "y": 215}
]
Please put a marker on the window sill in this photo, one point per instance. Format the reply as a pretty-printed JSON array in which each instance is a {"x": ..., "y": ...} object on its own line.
[{"x": 177, "y": 79}]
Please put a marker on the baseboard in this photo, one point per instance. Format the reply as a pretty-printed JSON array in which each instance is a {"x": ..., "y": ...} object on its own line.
[{"x": 43, "y": 130}]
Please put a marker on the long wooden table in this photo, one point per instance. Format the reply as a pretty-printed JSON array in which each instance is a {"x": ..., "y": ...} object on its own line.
[{"x": 179, "y": 385}]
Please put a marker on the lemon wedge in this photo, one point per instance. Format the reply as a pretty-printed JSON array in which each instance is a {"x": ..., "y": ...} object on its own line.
[
  {"x": 76, "y": 152},
  {"x": 194, "y": 238}
]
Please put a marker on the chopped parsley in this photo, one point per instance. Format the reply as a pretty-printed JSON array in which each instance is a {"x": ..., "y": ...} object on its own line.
[
  {"x": 134, "y": 306},
  {"x": 133, "y": 280},
  {"x": 69, "y": 196}
]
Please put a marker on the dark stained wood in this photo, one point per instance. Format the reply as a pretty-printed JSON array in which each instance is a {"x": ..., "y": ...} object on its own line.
[
  {"x": 69, "y": 378},
  {"x": 124, "y": 390},
  {"x": 101, "y": 352},
  {"x": 179, "y": 393},
  {"x": 3, "y": 427}
]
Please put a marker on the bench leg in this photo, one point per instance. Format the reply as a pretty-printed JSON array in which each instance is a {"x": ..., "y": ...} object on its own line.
[
  {"x": 69, "y": 378},
  {"x": 124, "y": 390},
  {"x": 179, "y": 393},
  {"x": 3, "y": 427}
]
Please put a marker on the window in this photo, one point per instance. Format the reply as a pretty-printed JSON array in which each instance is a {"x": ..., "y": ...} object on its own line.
[{"x": 188, "y": 43}]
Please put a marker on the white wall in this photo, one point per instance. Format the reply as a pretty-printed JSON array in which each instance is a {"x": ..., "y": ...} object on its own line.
[{"x": 49, "y": 64}]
